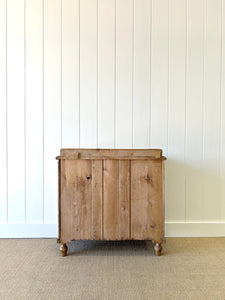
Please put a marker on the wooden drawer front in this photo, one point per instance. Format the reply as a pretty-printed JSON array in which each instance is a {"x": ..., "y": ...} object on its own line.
[
  {"x": 147, "y": 211},
  {"x": 111, "y": 199}
]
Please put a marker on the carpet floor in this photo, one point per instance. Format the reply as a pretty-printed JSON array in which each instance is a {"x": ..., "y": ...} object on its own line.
[{"x": 190, "y": 268}]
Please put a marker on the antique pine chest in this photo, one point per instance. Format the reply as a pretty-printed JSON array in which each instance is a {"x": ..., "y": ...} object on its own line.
[{"x": 111, "y": 194}]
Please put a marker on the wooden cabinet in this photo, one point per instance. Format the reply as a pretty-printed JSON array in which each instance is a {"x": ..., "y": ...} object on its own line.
[{"x": 111, "y": 194}]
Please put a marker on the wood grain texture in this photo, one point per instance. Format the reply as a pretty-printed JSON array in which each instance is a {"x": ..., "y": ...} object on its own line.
[
  {"x": 124, "y": 199},
  {"x": 109, "y": 153},
  {"x": 75, "y": 200},
  {"x": 111, "y": 199},
  {"x": 81, "y": 190},
  {"x": 96, "y": 199},
  {"x": 111, "y": 203},
  {"x": 116, "y": 208},
  {"x": 146, "y": 200}
]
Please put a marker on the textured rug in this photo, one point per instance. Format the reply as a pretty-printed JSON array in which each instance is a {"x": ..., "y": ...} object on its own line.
[{"x": 190, "y": 268}]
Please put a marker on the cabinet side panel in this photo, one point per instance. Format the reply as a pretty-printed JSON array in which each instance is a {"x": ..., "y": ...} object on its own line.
[
  {"x": 124, "y": 199},
  {"x": 96, "y": 199},
  {"x": 111, "y": 203},
  {"x": 66, "y": 210},
  {"x": 146, "y": 200},
  {"x": 59, "y": 198}
]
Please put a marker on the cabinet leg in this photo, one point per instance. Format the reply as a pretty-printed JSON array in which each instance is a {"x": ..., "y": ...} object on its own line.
[
  {"x": 158, "y": 249},
  {"x": 63, "y": 249}
]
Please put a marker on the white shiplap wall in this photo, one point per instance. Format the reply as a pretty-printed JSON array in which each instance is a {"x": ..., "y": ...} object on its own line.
[{"x": 112, "y": 74}]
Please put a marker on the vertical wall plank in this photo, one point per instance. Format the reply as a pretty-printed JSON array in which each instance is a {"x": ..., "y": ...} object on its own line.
[
  {"x": 3, "y": 128},
  {"x": 34, "y": 111},
  {"x": 141, "y": 80},
  {"x": 106, "y": 72},
  {"x": 159, "y": 78},
  {"x": 194, "y": 109},
  {"x": 16, "y": 106},
  {"x": 70, "y": 73},
  {"x": 52, "y": 104},
  {"x": 88, "y": 73},
  {"x": 176, "y": 111},
  {"x": 159, "y": 75},
  {"x": 222, "y": 148},
  {"x": 124, "y": 69},
  {"x": 211, "y": 134}
]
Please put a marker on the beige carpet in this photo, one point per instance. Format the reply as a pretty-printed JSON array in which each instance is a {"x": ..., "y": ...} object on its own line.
[{"x": 189, "y": 268}]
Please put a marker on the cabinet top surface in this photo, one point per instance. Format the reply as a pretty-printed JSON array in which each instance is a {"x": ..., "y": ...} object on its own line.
[{"x": 78, "y": 153}]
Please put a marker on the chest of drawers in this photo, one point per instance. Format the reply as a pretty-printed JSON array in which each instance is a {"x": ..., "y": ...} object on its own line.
[{"x": 111, "y": 194}]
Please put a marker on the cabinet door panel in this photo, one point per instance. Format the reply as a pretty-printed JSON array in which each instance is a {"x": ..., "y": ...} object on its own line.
[
  {"x": 80, "y": 197},
  {"x": 116, "y": 199},
  {"x": 146, "y": 200}
]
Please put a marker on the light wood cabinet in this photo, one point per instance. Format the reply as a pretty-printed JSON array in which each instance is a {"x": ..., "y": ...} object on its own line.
[{"x": 111, "y": 194}]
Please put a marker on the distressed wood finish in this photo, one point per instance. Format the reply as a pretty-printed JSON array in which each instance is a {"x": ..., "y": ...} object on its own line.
[
  {"x": 109, "y": 153},
  {"x": 96, "y": 199},
  {"x": 81, "y": 190},
  {"x": 124, "y": 199},
  {"x": 116, "y": 193},
  {"x": 146, "y": 200},
  {"x": 109, "y": 198}
]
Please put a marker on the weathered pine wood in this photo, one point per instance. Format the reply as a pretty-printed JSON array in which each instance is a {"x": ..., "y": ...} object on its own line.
[
  {"x": 109, "y": 153},
  {"x": 77, "y": 156},
  {"x": 96, "y": 199},
  {"x": 111, "y": 203},
  {"x": 70, "y": 216},
  {"x": 116, "y": 188},
  {"x": 124, "y": 199},
  {"x": 111, "y": 199},
  {"x": 146, "y": 200},
  {"x": 76, "y": 206}
]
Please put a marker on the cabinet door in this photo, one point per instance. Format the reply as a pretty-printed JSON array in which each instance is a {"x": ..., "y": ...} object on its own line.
[
  {"x": 147, "y": 211},
  {"x": 81, "y": 199},
  {"x": 116, "y": 199}
]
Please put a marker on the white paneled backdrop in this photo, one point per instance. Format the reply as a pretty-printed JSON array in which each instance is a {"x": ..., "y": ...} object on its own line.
[{"x": 112, "y": 74}]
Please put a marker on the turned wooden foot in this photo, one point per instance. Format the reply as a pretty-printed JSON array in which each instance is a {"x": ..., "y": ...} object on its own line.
[
  {"x": 63, "y": 249},
  {"x": 158, "y": 249}
]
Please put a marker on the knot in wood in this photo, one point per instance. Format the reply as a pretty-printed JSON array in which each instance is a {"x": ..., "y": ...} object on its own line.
[{"x": 148, "y": 178}]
